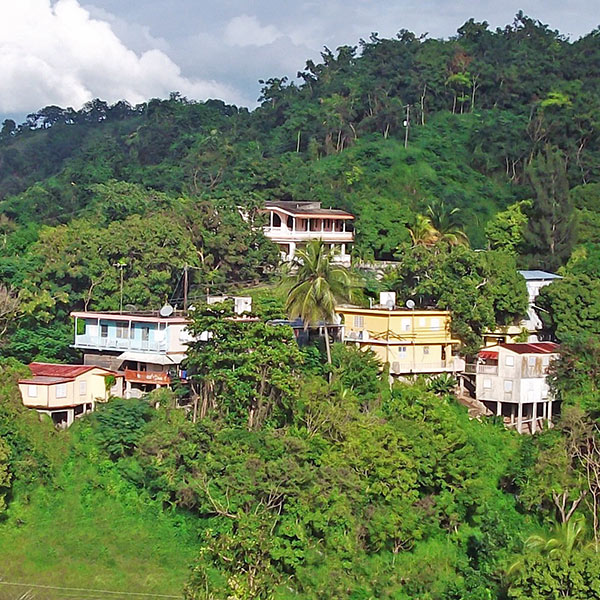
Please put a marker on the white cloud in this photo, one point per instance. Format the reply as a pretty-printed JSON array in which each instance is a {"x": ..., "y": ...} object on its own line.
[
  {"x": 56, "y": 53},
  {"x": 246, "y": 30}
]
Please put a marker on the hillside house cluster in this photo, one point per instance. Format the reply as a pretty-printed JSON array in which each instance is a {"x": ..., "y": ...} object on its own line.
[{"x": 132, "y": 353}]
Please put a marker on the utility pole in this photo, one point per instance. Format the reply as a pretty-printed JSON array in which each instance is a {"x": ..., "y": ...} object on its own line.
[
  {"x": 185, "y": 287},
  {"x": 406, "y": 125},
  {"x": 120, "y": 265}
]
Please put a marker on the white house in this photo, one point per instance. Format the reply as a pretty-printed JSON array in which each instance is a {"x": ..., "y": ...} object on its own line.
[
  {"x": 511, "y": 381},
  {"x": 292, "y": 224}
]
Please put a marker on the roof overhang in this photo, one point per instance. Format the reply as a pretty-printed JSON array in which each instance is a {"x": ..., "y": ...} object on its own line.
[{"x": 154, "y": 359}]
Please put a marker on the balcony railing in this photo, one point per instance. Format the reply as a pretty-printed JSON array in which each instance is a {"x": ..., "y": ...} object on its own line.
[
  {"x": 151, "y": 377},
  {"x": 284, "y": 234},
  {"x": 107, "y": 343}
]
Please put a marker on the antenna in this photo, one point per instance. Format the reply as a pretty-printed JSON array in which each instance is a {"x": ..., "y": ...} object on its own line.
[
  {"x": 410, "y": 304},
  {"x": 166, "y": 311}
]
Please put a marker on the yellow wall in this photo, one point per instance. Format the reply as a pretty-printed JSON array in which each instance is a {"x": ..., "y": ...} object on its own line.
[
  {"x": 420, "y": 327},
  {"x": 411, "y": 341},
  {"x": 95, "y": 390}
]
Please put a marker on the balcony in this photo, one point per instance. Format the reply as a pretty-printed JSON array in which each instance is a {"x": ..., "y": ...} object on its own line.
[
  {"x": 487, "y": 369},
  {"x": 284, "y": 234},
  {"x": 150, "y": 377},
  {"x": 119, "y": 344}
]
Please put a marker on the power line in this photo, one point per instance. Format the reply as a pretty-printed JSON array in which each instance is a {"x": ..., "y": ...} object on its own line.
[{"x": 91, "y": 590}]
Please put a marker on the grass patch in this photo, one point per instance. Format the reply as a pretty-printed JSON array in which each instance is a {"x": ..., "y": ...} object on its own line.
[{"x": 92, "y": 529}]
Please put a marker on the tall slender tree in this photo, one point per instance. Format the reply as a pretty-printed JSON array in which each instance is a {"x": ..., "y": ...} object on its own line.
[
  {"x": 551, "y": 228},
  {"x": 316, "y": 286}
]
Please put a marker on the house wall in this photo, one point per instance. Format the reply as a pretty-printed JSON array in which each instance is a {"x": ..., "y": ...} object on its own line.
[
  {"x": 527, "y": 376},
  {"x": 422, "y": 327},
  {"x": 86, "y": 388}
]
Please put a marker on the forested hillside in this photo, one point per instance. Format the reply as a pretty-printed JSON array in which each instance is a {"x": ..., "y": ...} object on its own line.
[
  {"x": 493, "y": 117},
  {"x": 462, "y": 160}
]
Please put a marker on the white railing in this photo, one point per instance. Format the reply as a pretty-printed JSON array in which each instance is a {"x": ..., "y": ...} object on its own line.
[
  {"x": 285, "y": 234},
  {"x": 106, "y": 343}
]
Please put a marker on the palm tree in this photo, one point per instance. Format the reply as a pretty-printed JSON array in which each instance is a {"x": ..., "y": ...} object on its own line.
[
  {"x": 444, "y": 221},
  {"x": 316, "y": 287},
  {"x": 563, "y": 539},
  {"x": 423, "y": 233}
]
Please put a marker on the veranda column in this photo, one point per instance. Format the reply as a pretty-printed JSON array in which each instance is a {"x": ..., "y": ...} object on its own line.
[
  {"x": 534, "y": 420},
  {"x": 519, "y": 417}
]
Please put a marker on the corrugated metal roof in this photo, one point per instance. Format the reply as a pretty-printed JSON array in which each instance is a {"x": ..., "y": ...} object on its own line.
[
  {"x": 531, "y": 275},
  {"x": 532, "y": 347}
]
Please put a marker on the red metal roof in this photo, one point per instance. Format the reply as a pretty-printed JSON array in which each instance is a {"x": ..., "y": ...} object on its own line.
[
  {"x": 62, "y": 371},
  {"x": 532, "y": 348},
  {"x": 487, "y": 354}
]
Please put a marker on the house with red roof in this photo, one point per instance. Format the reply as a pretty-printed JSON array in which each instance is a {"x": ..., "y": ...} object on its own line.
[
  {"x": 511, "y": 380},
  {"x": 65, "y": 392}
]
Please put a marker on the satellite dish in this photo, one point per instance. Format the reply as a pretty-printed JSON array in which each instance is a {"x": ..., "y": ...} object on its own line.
[
  {"x": 130, "y": 308},
  {"x": 390, "y": 304},
  {"x": 166, "y": 311},
  {"x": 410, "y": 304}
]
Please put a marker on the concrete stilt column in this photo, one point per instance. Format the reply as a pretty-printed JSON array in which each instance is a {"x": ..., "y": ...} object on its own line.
[
  {"x": 70, "y": 417},
  {"x": 534, "y": 419},
  {"x": 549, "y": 412},
  {"x": 498, "y": 408},
  {"x": 128, "y": 389},
  {"x": 520, "y": 417},
  {"x": 292, "y": 251}
]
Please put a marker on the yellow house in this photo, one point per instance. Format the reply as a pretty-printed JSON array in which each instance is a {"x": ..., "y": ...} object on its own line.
[
  {"x": 410, "y": 341},
  {"x": 65, "y": 392}
]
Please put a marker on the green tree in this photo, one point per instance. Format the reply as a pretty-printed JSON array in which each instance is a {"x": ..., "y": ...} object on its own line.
[
  {"x": 242, "y": 369},
  {"x": 505, "y": 231},
  {"x": 5, "y": 474},
  {"x": 551, "y": 231}
]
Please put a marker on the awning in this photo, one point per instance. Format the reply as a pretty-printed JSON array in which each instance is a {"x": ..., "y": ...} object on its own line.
[
  {"x": 488, "y": 355},
  {"x": 153, "y": 359}
]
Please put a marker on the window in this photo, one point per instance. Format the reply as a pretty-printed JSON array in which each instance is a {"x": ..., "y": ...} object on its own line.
[
  {"x": 145, "y": 334},
  {"x": 61, "y": 390},
  {"x": 509, "y": 361},
  {"x": 82, "y": 388},
  {"x": 435, "y": 324},
  {"x": 405, "y": 324},
  {"x": 32, "y": 391},
  {"x": 425, "y": 349},
  {"x": 104, "y": 331},
  {"x": 359, "y": 321},
  {"x": 422, "y": 322},
  {"x": 508, "y": 385},
  {"x": 487, "y": 384},
  {"x": 276, "y": 220},
  {"x": 122, "y": 331},
  {"x": 531, "y": 361},
  {"x": 402, "y": 351}
]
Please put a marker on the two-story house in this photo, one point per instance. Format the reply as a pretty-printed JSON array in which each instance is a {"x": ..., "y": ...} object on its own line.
[
  {"x": 292, "y": 224},
  {"x": 511, "y": 380},
  {"x": 147, "y": 347},
  {"x": 411, "y": 341},
  {"x": 65, "y": 392}
]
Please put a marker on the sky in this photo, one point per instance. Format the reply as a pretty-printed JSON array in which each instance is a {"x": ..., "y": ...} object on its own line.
[{"x": 66, "y": 52}]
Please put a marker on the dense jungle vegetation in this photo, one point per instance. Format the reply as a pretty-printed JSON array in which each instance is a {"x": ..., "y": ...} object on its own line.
[{"x": 462, "y": 159}]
